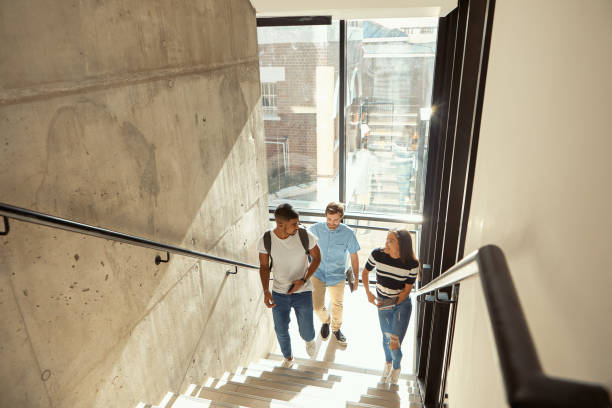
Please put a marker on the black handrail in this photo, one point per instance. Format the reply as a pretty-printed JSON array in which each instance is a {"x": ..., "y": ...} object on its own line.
[
  {"x": 22, "y": 214},
  {"x": 527, "y": 386},
  {"x": 410, "y": 219}
]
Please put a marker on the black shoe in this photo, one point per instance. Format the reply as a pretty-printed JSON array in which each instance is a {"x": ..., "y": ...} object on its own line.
[
  {"x": 340, "y": 337},
  {"x": 325, "y": 331}
]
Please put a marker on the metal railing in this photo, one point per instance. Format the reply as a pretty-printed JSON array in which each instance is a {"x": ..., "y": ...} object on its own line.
[
  {"x": 527, "y": 386},
  {"x": 411, "y": 219},
  {"x": 22, "y": 214}
]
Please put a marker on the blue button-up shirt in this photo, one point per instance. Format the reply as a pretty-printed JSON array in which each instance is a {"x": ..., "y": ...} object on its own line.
[{"x": 334, "y": 245}]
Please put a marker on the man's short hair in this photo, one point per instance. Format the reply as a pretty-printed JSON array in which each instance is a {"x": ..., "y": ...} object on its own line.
[
  {"x": 285, "y": 212},
  {"x": 335, "y": 208}
]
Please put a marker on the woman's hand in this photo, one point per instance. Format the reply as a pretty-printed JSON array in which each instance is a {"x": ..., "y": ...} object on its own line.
[
  {"x": 401, "y": 297},
  {"x": 371, "y": 298},
  {"x": 403, "y": 294}
]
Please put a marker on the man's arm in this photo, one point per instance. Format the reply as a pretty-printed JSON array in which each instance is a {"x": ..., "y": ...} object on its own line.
[
  {"x": 355, "y": 262},
  {"x": 315, "y": 254},
  {"x": 355, "y": 266},
  {"x": 264, "y": 275}
]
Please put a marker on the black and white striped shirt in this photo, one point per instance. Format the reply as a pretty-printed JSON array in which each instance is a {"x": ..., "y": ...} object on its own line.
[{"x": 391, "y": 273}]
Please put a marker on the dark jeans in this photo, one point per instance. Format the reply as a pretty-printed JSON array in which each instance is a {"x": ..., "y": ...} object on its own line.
[
  {"x": 302, "y": 304},
  {"x": 394, "y": 321}
]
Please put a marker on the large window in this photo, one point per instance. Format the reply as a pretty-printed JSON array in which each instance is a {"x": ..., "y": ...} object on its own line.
[
  {"x": 299, "y": 65},
  {"x": 376, "y": 166},
  {"x": 389, "y": 74}
]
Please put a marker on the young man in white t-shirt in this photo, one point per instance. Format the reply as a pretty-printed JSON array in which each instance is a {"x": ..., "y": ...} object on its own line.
[{"x": 292, "y": 287}]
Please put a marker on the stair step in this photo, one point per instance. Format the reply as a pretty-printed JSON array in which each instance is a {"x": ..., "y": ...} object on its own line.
[
  {"x": 287, "y": 378},
  {"x": 301, "y": 397},
  {"x": 300, "y": 368},
  {"x": 338, "y": 391},
  {"x": 352, "y": 387},
  {"x": 186, "y": 401},
  {"x": 353, "y": 377},
  {"x": 242, "y": 399},
  {"x": 351, "y": 404},
  {"x": 336, "y": 366},
  {"x": 275, "y": 368}
]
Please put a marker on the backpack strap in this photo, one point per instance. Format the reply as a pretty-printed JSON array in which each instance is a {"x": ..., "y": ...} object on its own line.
[
  {"x": 268, "y": 246},
  {"x": 304, "y": 240}
]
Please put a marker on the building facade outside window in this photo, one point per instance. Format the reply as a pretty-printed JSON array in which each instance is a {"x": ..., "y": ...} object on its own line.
[{"x": 388, "y": 74}]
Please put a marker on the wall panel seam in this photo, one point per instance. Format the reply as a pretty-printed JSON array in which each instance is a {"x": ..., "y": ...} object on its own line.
[
  {"x": 27, "y": 332},
  {"x": 65, "y": 88}
]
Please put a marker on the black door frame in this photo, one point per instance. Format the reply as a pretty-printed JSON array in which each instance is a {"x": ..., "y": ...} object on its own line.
[{"x": 459, "y": 85}]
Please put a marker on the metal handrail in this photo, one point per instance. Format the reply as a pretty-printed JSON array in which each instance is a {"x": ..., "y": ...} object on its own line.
[
  {"x": 525, "y": 382},
  {"x": 22, "y": 214},
  {"x": 458, "y": 272},
  {"x": 355, "y": 226},
  {"x": 412, "y": 219}
]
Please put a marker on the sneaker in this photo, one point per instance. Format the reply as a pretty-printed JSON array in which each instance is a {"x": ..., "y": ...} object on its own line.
[
  {"x": 385, "y": 374},
  {"x": 340, "y": 337},
  {"x": 311, "y": 348},
  {"x": 287, "y": 363},
  {"x": 394, "y": 376},
  {"x": 325, "y": 331}
]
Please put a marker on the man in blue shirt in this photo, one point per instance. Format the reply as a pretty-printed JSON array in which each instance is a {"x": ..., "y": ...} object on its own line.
[{"x": 335, "y": 241}]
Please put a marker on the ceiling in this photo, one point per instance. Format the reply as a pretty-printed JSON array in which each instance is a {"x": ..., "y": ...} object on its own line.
[{"x": 354, "y": 9}]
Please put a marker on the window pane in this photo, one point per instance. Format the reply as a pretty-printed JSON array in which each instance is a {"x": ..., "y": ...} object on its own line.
[
  {"x": 299, "y": 66},
  {"x": 390, "y": 66}
]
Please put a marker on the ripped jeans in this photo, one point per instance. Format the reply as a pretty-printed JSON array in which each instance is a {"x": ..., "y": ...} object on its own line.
[{"x": 394, "y": 323}]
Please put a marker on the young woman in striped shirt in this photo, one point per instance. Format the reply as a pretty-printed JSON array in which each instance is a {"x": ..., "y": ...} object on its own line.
[{"x": 396, "y": 271}]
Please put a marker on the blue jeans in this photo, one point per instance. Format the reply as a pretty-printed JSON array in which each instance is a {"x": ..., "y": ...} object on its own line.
[
  {"x": 394, "y": 321},
  {"x": 302, "y": 304}
]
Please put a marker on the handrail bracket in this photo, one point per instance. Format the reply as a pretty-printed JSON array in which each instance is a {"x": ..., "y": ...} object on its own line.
[
  {"x": 159, "y": 260},
  {"x": 7, "y": 227}
]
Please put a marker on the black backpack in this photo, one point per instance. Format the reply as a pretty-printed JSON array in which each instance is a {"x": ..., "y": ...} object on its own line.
[{"x": 303, "y": 239}]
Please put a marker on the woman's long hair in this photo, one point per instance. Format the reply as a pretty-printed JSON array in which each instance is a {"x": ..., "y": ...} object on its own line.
[{"x": 405, "y": 246}]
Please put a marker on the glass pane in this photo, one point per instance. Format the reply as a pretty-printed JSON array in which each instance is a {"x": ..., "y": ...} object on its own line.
[
  {"x": 370, "y": 234},
  {"x": 299, "y": 75},
  {"x": 390, "y": 65}
]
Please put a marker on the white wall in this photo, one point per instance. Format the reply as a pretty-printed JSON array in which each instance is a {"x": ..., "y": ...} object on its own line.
[{"x": 542, "y": 193}]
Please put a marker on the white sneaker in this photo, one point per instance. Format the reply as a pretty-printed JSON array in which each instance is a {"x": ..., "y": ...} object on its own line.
[
  {"x": 287, "y": 363},
  {"x": 311, "y": 348},
  {"x": 394, "y": 376},
  {"x": 385, "y": 374}
]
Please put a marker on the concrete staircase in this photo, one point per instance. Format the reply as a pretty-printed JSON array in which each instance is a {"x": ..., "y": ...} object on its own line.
[{"x": 309, "y": 383}]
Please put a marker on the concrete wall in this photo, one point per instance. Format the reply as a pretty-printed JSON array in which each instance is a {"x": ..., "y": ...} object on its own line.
[
  {"x": 141, "y": 117},
  {"x": 542, "y": 193}
]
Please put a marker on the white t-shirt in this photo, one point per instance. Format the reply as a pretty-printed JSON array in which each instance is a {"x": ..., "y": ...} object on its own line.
[{"x": 290, "y": 260}]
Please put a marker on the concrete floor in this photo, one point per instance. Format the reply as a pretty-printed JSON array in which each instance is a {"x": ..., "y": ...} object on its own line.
[{"x": 361, "y": 328}]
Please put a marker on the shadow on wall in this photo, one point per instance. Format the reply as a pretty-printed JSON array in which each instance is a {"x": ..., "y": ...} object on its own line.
[{"x": 146, "y": 172}]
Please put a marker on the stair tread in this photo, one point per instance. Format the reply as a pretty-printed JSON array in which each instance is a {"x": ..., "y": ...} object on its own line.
[
  {"x": 296, "y": 373},
  {"x": 186, "y": 401},
  {"x": 242, "y": 399},
  {"x": 348, "y": 390},
  {"x": 352, "y": 377},
  {"x": 290, "y": 379},
  {"x": 337, "y": 366},
  {"x": 302, "y": 396}
]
